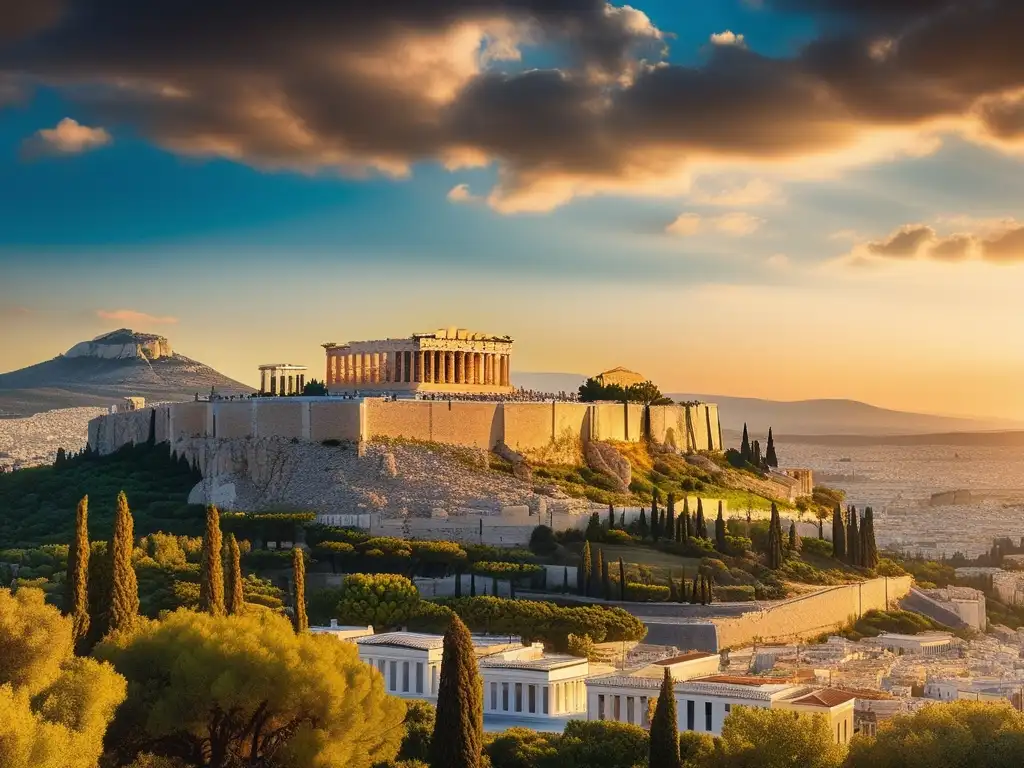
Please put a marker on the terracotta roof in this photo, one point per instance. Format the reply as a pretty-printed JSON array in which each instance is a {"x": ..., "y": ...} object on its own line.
[
  {"x": 691, "y": 656},
  {"x": 826, "y": 697}
]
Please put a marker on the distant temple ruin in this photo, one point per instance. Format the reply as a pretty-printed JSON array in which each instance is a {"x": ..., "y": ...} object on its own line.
[{"x": 449, "y": 360}]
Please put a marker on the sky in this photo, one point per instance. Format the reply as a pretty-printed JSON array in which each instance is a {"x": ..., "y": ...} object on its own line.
[{"x": 784, "y": 199}]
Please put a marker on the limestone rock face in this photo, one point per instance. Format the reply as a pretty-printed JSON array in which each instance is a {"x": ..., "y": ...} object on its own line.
[
  {"x": 123, "y": 344},
  {"x": 603, "y": 458}
]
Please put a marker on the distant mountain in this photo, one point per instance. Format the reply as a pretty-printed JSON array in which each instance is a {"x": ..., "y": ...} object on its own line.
[
  {"x": 837, "y": 417},
  {"x": 102, "y": 371}
]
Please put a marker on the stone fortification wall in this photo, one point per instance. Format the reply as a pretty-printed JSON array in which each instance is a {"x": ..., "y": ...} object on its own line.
[
  {"x": 528, "y": 428},
  {"x": 809, "y": 616}
]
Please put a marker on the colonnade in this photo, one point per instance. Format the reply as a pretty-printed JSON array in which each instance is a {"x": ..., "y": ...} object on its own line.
[
  {"x": 418, "y": 367},
  {"x": 281, "y": 382}
]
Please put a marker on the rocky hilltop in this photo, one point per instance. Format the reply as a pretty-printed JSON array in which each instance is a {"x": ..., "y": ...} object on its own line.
[{"x": 100, "y": 372}]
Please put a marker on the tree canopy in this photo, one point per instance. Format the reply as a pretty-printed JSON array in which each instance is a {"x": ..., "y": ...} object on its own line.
[{"x": 773, "y": 738}]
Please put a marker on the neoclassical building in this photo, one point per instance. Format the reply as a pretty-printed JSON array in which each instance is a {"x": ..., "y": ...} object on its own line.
[{"x": 447, "y": 360}]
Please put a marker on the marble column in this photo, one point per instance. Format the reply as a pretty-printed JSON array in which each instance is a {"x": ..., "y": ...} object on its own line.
[
  {"x": 399, "y": 370},
  {"x": 263, "y": 381},
  {"x": 490, "y": 369},
  {"x": 449, "y": 367},
  {"x": 420, "y": 374},
  {"x": 467, "y": 359},
  {"x": 504, "y": 370}
]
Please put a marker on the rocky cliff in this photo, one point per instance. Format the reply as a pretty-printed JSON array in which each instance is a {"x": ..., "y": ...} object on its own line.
[{"x": 100, "y": 372}]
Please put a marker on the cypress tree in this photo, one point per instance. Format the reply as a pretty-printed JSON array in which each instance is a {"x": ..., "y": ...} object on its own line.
[
  {"x": 211, "y": 581},
  {"x": 670, "y": 518},
  {"x": 642, "y": 523},
  {"x": 99, "y": 588},
  {"x": 702, "y": 527},
  {"x": 775, "y": 540},
  {"x": 235, "y": 590},
  {"x": 673, "y": 593},
  {"x": 655, "y": 519},
  {"x": 151, "y": 440},
  {"x": 852, "y": 539},
  {"x": 769, "y": 453},
  {"x": 458, "y": 725},
  {"x": 622, "y": 519},
  {"x": 794, "y": 538},
  {"x": 755, "y": 455},
  {"x": 720, "y": 529},
  {"x": 76, "y": 598},
  {"x": 664, "y": 740},
  {"x": 838, "y": 534},
  {"x": 622, "y": 580},
  {"x": 584, "y": 570},
  {"x": 299, "y": 577},
  {"x": 682, "y": 587},
  {"x": 870, "y": 553},
  {"x": 606, "y": 580},
  {"x": 611, "y": 518},
  {"x": 693, "y": 592},
  {"x": 597, "y": 583},
  {"x": 745, "y": 453},
  {"x": 687, "y": 531},
  {"x": 124, "y": 587}
]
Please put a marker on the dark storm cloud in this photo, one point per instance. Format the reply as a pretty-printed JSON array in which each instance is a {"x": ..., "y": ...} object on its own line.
[{"x": 365, "y": 86}]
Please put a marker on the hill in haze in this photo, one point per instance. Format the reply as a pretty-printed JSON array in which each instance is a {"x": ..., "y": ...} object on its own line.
[
  {"x": 799, "y": 417},
  {"x": 102, "y": 371}
]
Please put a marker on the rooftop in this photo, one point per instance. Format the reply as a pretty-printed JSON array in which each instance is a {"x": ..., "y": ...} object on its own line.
[
  {"x": 826, "y": 697},
  {"x": 543, "y": 664},
  {"x": 739, "y": 680},
  {"x": 691, "y": 656},
  {"x": 921, "y": 638},
  {"x": 415, "y": 640}
]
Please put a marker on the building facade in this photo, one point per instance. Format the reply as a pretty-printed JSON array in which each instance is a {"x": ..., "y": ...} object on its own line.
[
  {"x": 282, "y": 379},
  {"x": 528, "y": 684},
  {"x": 449, "y": 360}
]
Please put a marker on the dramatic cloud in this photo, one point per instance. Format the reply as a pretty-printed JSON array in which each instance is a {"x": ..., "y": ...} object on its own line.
[
  {"x": 364, "y": 88},
  {"x": 754, "y": 192},
  {"x": 727, "y": 38},
  {"x": 734, "y": 224},
  {"x": 133, "y": 317},
  {"x": 999, "y": 242},
  {"x": 69, "y": 137}
]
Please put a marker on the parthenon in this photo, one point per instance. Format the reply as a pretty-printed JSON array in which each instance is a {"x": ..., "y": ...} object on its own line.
[{"x": 447, "y": 360}]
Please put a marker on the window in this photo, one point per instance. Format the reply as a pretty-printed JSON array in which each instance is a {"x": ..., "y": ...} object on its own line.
[
  {"x": 845, "y": 732},
  {"x": 380, "y": 666},
  {"x": 494, "y": 696},
  {"x": 393, "y": 669},
  {"x": 707, "y": 715},
  {"x": 532, "y": 699},
  {"x": 519, "y": 697},
  {"x": 544, "y": 700},
  {"x": 504, "y": 697},
  {"x": 405, "y": 677},
  {"x": 629, "y": 710},
  {"x": 689, "y": 714},
  {"x": 728, "y": 708},
  {"x": 419, "y": 677},
  {"x": 600, "y": 706}
]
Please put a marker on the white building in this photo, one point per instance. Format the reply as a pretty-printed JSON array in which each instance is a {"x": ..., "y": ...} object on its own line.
[
  {"x": 926, "y": 643},
  {"x": 527, "y": 683},
  {"x": 342, "y": 632},
  {"x": 966, "y": 602}
]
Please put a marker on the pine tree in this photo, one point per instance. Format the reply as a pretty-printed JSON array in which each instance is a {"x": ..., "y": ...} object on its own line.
[
  {"x": 702, "y": 526},
  {"x": 211, "y": 580},
  {"x": 794, "y": 538},
  {"x": 745, "y": 452},
  {"x": 622, "y": 580},
  {"x": 870, "y": 554},
  {"x": 838, "y": 534},
  {"x": 124, "y": 587},
  {"x": 670, "y": 518},
  {"x": 852, "y": 539},
  {"x": 596, "y": 582},
  {"x": 299, "y": 577},
  {"x": 664, "y": 740},
  {"x": 458, "y": 725},
  {"x": 769, "y": 453},
  {"x": 720, "y": 529},
  {"x": 687, "y": 530},
  {"x": 235, "y": 590},
  {"x": 584, "y": 570},
  {"x": 775, "y": 540},
  {"x": 76, "y": 599},
  {"x": 611, "y": 518}
]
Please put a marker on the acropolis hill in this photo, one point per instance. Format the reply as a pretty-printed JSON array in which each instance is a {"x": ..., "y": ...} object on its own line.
[{"x": 392, "y": 399}]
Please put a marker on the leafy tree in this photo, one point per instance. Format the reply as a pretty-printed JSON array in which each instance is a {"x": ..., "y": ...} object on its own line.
[
  {"x": 246, "y": 690},
  {"x": 584, "y": 572},
  {"x": 124, "y": 586},
  {"x": 869, "y": 553},
  {"x": 76, "y": 601},
  {"x": 745, "y": 452},
  {"x": 419, "y": 728},
  {"x": 852, "y": 539},
  {"x": 299, "y": 578},
  {"x": 769, "y": 453},
  {"x": 211, "y": 581},
  {"x": 838, "y": 533},
  {"x": 54, "y": 707},
  {"x": 774, "y": 738},
  {"x": 670, "y": 518},
  {"x": 696, "y": 749},
  {"x": 602, "y": 744},
  {"x": 314, "y": 388},
  {"x": 524, "y": 748},
  {"x": 664, "y": 741},
  {"x": 235, "y": 592},
  {"x": 720, "y": 543},
  {"x": 458, "y": 730},
  {"x": 384, "y": 601}
]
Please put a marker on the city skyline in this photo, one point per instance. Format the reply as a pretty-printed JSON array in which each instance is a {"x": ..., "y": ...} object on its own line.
[{"x": 785, "y": 199}]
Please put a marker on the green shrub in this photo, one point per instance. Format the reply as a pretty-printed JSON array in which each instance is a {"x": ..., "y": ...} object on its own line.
[
  {"x": 646, "y": 593},
  {"x": 817, "y": 547},
  {"x": 505, "y": 570},
  {"x": 739, "y": 593},
  {"x": 542, "y": 541},
  {"x": 580, "y": 645},
  {"x": 618, "y": 536}
]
